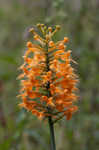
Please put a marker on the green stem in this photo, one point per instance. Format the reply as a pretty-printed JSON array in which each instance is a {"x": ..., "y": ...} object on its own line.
[
  {"x": 51, "y": 125},
  {"x": 52, "y": 136}
]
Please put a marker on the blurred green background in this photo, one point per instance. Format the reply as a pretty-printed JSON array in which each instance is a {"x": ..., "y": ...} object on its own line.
[{"x": 79, "y": 20}]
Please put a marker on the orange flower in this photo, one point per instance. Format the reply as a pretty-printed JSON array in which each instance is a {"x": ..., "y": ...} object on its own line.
[{"x": 48, "y": 81}]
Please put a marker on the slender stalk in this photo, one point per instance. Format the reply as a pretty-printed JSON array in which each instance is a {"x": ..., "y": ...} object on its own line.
[
  {"x": 51, "y": 125},
  {"x": 52, "y": 136}
]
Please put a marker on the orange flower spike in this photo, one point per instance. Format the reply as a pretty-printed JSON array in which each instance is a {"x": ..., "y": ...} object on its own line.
[{"x": 48, "y": 76}]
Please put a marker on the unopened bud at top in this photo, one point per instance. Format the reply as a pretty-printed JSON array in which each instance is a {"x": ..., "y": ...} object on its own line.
[
  {"x": 31, "y": 30},
  {"x": 42, "y": 25},
  {"x": 38, "y": 25},
  {"x": 50, "y": 29},
  {"x": 58, "y": 27},
  {"x": 47, "y": 37}
]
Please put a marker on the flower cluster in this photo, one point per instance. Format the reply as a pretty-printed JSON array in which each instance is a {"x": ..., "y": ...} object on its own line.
[{"x": 48, "y": 81}]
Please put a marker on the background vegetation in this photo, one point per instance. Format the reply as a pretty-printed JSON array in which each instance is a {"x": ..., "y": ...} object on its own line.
[{"x": 79, "y": 19}]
